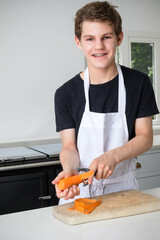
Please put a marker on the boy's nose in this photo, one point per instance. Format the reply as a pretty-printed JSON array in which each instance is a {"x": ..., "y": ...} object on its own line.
[{"x": 99, "y": 44}]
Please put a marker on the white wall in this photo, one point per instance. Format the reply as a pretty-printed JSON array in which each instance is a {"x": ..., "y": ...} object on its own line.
[{"x": 38, "y": 54}]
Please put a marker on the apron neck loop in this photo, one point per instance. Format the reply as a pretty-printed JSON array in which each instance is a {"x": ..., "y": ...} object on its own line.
[{"x": 121, "y": 90}]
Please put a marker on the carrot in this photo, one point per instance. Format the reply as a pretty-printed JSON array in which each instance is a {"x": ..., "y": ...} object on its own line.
[
  {"x": 74, "y": 180},
  {"x": 85, "y": 205}
]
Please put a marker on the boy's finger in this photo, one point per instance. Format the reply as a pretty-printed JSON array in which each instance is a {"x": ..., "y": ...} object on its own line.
[
  {"x": 58, "y": 178},
  {"x": 61, "y": 194},
  {"x": 92, "y": 167}
]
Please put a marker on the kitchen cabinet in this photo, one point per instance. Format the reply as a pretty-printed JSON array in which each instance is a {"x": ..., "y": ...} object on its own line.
[
  {"x": 26, "y": 189},
  {"x": 25, "y": 178},
  {"x": 148, "y": 169}
]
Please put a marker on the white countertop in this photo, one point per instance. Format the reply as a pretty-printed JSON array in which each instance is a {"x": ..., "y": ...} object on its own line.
[{"x": 40, "y": 224}]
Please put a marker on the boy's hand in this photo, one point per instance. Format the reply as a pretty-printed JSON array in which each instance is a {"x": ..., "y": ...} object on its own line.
[
  {"x": 69, "y": 193},
  {"x": 103, "y": 166}
]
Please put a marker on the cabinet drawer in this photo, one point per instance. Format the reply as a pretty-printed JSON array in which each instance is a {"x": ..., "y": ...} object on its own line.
[
  {"x": 148, "y": 164},
  {"x": 149, "y": 182}
]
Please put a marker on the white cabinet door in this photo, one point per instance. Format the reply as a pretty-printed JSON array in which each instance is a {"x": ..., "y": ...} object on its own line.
[
  {"x": 148, "y": 173},
  {"x": 149, "y": 182}
]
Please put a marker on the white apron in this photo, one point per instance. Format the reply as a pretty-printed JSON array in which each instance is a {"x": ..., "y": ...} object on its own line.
[{"x": 99, "y": 133}]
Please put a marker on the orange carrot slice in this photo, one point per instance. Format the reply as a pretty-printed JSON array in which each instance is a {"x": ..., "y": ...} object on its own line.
[{"x": 85, "y": 205}]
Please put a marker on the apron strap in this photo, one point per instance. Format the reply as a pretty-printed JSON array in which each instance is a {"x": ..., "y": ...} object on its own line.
[
  {"x": 121, "y": 90},
  {"x": 86, "y": 89}
]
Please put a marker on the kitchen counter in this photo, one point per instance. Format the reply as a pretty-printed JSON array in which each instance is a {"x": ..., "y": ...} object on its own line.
[{"x": 40, "y": 224}]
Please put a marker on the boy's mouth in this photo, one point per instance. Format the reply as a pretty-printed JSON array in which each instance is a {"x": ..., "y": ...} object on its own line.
[{"x": 99, "y": 54}]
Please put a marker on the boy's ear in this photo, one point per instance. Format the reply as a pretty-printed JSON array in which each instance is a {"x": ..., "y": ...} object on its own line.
[
  {"x": 78, "y": 42},
  {"x": 119, "y": 39}
]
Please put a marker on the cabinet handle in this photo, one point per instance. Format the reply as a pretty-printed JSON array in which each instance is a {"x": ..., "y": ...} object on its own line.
[
  {"x": 45, "y": 197},
  {"x": 138, "y": 165}
]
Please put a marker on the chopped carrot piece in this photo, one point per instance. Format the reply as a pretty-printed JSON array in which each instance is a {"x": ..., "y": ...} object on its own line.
[{"x": 85, "y": 205}]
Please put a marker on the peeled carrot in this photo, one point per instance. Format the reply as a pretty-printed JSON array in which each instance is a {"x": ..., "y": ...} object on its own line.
[
  {"x": 85, "y": 205},
  {"x": 74, "y": 180}
]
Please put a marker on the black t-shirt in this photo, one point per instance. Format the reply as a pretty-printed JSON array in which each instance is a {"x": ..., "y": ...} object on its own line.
[{"x": 70, "y": 100}]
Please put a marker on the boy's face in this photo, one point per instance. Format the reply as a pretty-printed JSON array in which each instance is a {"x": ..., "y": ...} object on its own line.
[{"x": 98, "y": 43}]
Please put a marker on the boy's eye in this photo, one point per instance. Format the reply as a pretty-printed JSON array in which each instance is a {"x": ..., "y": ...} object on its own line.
[
  {"x": 107, "y": 37},
  {"x": 89, "y": 39}
]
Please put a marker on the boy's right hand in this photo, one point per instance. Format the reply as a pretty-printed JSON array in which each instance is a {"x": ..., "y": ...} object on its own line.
[{"x": 68, "y": 193}]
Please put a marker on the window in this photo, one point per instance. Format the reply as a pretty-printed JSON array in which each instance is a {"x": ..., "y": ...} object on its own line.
[
  {"x": 141, "y": 51},
  {"x": 142, "y": 58}
]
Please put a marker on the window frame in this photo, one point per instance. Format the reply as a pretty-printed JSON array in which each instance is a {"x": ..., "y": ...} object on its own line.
[{"x": 125, "y": 59}]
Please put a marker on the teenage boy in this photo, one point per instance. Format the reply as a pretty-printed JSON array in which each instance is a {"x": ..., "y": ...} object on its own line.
[{"x": 104, "y": 115}]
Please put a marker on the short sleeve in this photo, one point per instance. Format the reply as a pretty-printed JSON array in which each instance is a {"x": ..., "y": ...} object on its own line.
[
  {"x": 147, "y": 104},
  {"x": 63, "y": 115}
]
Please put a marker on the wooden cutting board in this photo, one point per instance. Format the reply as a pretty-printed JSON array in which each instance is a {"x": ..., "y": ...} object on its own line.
[{"x": 113, "y": 205}]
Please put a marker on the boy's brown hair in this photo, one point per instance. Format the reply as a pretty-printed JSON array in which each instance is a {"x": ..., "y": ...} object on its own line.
[{"x": 98, "y": 11}]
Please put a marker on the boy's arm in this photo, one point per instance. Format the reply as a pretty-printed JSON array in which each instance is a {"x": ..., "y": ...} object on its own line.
[
  {"x": 69, "y": 159},
  {"x": 105, "y": 164},
  {"x": 69, "y": 156}
]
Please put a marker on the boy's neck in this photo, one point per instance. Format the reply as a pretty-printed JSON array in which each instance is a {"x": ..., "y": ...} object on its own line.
[{"x": 100, "y": 76}]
